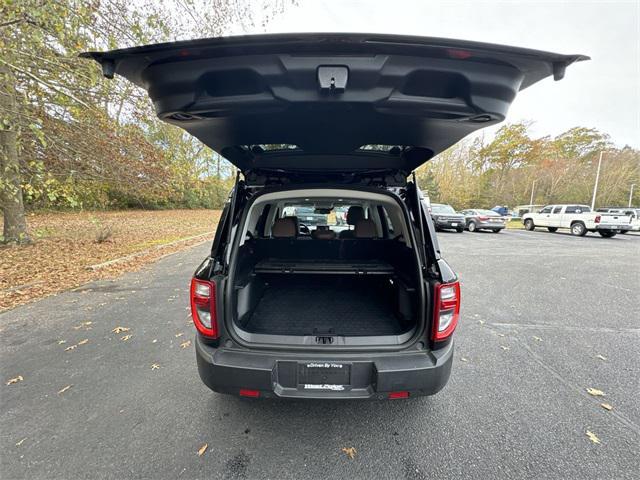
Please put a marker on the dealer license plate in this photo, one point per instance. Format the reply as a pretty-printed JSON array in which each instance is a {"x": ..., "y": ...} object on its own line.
[{"x": 324, "y": 376}]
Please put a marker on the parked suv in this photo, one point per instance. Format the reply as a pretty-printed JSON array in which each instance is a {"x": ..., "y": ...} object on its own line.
[
  {"x": 328, "y": 120},
  {"x": 446, "y": 218}
]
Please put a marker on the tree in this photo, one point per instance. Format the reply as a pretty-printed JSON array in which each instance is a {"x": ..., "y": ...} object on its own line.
[
  {"x": 500, "y": 172},
  {"x": 82, "y": 141},
  {"x": 15, "y": 227}
]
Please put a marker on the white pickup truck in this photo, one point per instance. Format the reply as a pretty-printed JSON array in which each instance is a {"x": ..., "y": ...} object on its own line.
[{"x": 579, "y": 219}]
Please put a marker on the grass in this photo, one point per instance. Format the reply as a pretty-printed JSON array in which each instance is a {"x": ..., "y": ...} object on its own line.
[
  {"x": 66, "y": 243},
  {"x": 515, "y": 224}
]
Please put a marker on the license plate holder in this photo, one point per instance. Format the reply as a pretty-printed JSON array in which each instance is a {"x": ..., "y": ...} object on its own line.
[{"x": 324, "y": 376}]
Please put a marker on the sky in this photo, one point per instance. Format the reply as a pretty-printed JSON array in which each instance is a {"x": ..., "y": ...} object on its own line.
[{"x": 603, "y": 93}]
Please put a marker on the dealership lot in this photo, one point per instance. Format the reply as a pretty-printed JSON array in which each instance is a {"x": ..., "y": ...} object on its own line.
[{"x": 545, "y": 316}]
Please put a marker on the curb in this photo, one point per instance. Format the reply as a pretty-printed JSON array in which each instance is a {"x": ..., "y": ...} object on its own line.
[{"x": 108, "y": 263}]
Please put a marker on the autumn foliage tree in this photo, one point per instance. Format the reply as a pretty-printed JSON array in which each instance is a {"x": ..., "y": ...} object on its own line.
[
  {"x": 481, "y": 174},
  {"x": 83, "y": 142}
]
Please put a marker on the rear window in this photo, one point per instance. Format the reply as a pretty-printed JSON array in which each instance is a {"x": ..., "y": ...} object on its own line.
[
  {"x": 577, "y": 209},
  {"x": 435, "y": 208}
]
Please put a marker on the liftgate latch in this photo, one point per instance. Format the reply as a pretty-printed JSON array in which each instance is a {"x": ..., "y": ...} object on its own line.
[{"x": 333, "y": 78}]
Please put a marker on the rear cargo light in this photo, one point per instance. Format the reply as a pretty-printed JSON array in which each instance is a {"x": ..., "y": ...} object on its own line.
[
  {"x": 446, "y": 310},
  {"x": 597, "y": 219},
  {"x": 245, "y": 392},
  {"x": 401, "y": 394},
  {"x": 203, "y": 307}
]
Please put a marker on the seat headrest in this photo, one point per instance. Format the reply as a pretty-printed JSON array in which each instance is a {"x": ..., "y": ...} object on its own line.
[
  {"x": 322, "y": 232},
  {"x": 286, "y": 227},
  {"x": 365, "y": 228},
  {"x": 354, "y": 213}
]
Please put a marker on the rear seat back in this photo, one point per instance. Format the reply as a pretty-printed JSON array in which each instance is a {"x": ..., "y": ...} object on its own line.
[
  {"x": 323, "y": 232},
  {"x": 315, "y": 249},
  {"x": 365, "y": 228},
  {"x": 286, "y": 227}
]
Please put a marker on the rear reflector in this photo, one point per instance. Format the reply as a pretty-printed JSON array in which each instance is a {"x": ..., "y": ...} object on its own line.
[
  {"x": 203, "y": 307},
  {"x": 245, "y": 392},
  {"x": 401, "y": 394},
  {"x": 446, "y": 310}
]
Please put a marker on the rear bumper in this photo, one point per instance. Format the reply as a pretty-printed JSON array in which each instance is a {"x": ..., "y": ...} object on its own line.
[
  {"x": 275, "y": 374},
  {"x": 453, "y": 224},
  {"x": 625, "y": 228},
  {"x": 489, "y": 225}
]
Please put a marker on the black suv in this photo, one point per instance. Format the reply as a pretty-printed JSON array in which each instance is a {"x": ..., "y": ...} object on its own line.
[
  {"x": 445, "y": 218},
  {"x": 336, "y": 122}
]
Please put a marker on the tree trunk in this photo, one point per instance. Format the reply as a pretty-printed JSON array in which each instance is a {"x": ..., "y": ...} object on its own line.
[{"x": 15, "y": 227}]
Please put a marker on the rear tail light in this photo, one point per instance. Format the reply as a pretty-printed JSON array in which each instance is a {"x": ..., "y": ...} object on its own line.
[
  {"x": 597, "y": 219},
  {"x": 400, "y": 394},
  {"x": 203, "y": 307},
  {"x": 245, "y": 392},
  {"x": 446, "y": 310},
  {"x": 483, "y": 218}
]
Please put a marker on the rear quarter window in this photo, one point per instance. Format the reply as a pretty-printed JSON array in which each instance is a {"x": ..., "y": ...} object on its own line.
[{"x": 577, "y": 209}]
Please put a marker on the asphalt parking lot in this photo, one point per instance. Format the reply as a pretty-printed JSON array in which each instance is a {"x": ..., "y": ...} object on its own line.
[{"x": 545, "y": 316}]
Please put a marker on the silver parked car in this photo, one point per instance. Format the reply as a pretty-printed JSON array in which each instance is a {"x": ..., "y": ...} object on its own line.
[{"x": 479, "y": 219}]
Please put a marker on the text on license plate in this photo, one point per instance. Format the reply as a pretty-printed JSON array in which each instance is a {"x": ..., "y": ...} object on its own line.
[{"x": 324, "y": 376}]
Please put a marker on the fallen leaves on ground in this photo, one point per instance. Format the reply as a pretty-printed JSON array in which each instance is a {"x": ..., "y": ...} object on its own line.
[
  {"x": 606, "y": 406},
  {"x": 537, "y": 339},
  {"x": 593, "y": 437},
  {"x": 595, "y": 392},
  {"x": 601, "y": 357},
  {"x": 203, "y": 449},
  {"x": 85, "y": 325},
  {"x": 505, "y": 348},
  {"x": 350, "y": 452},
  {"x": 120, "y": 330},
  {"x": 126, "y": 337},
  {"x": 15, "y": 380},
  {"x": 155, "y": 366},
  {"x": 62, "y": 390},
  {"x": 60, "y": 342},
  {"x": 73, "y": 347},
  {"x": 185, "y": 344},
  {"x": 64, "y": 246},
  {"x": 179, "y": 334},
  {"x": 463, "y": 359},
  {"x": 21, "y": 441}
]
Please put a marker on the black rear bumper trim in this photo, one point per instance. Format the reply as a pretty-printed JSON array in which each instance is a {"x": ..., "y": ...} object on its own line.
[{"x": 372, "y": 376}]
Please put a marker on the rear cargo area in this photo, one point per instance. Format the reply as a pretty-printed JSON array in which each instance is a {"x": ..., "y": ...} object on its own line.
[
  {"x": 325, "y": 304},
  {"x": 323, "y": 288}
]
